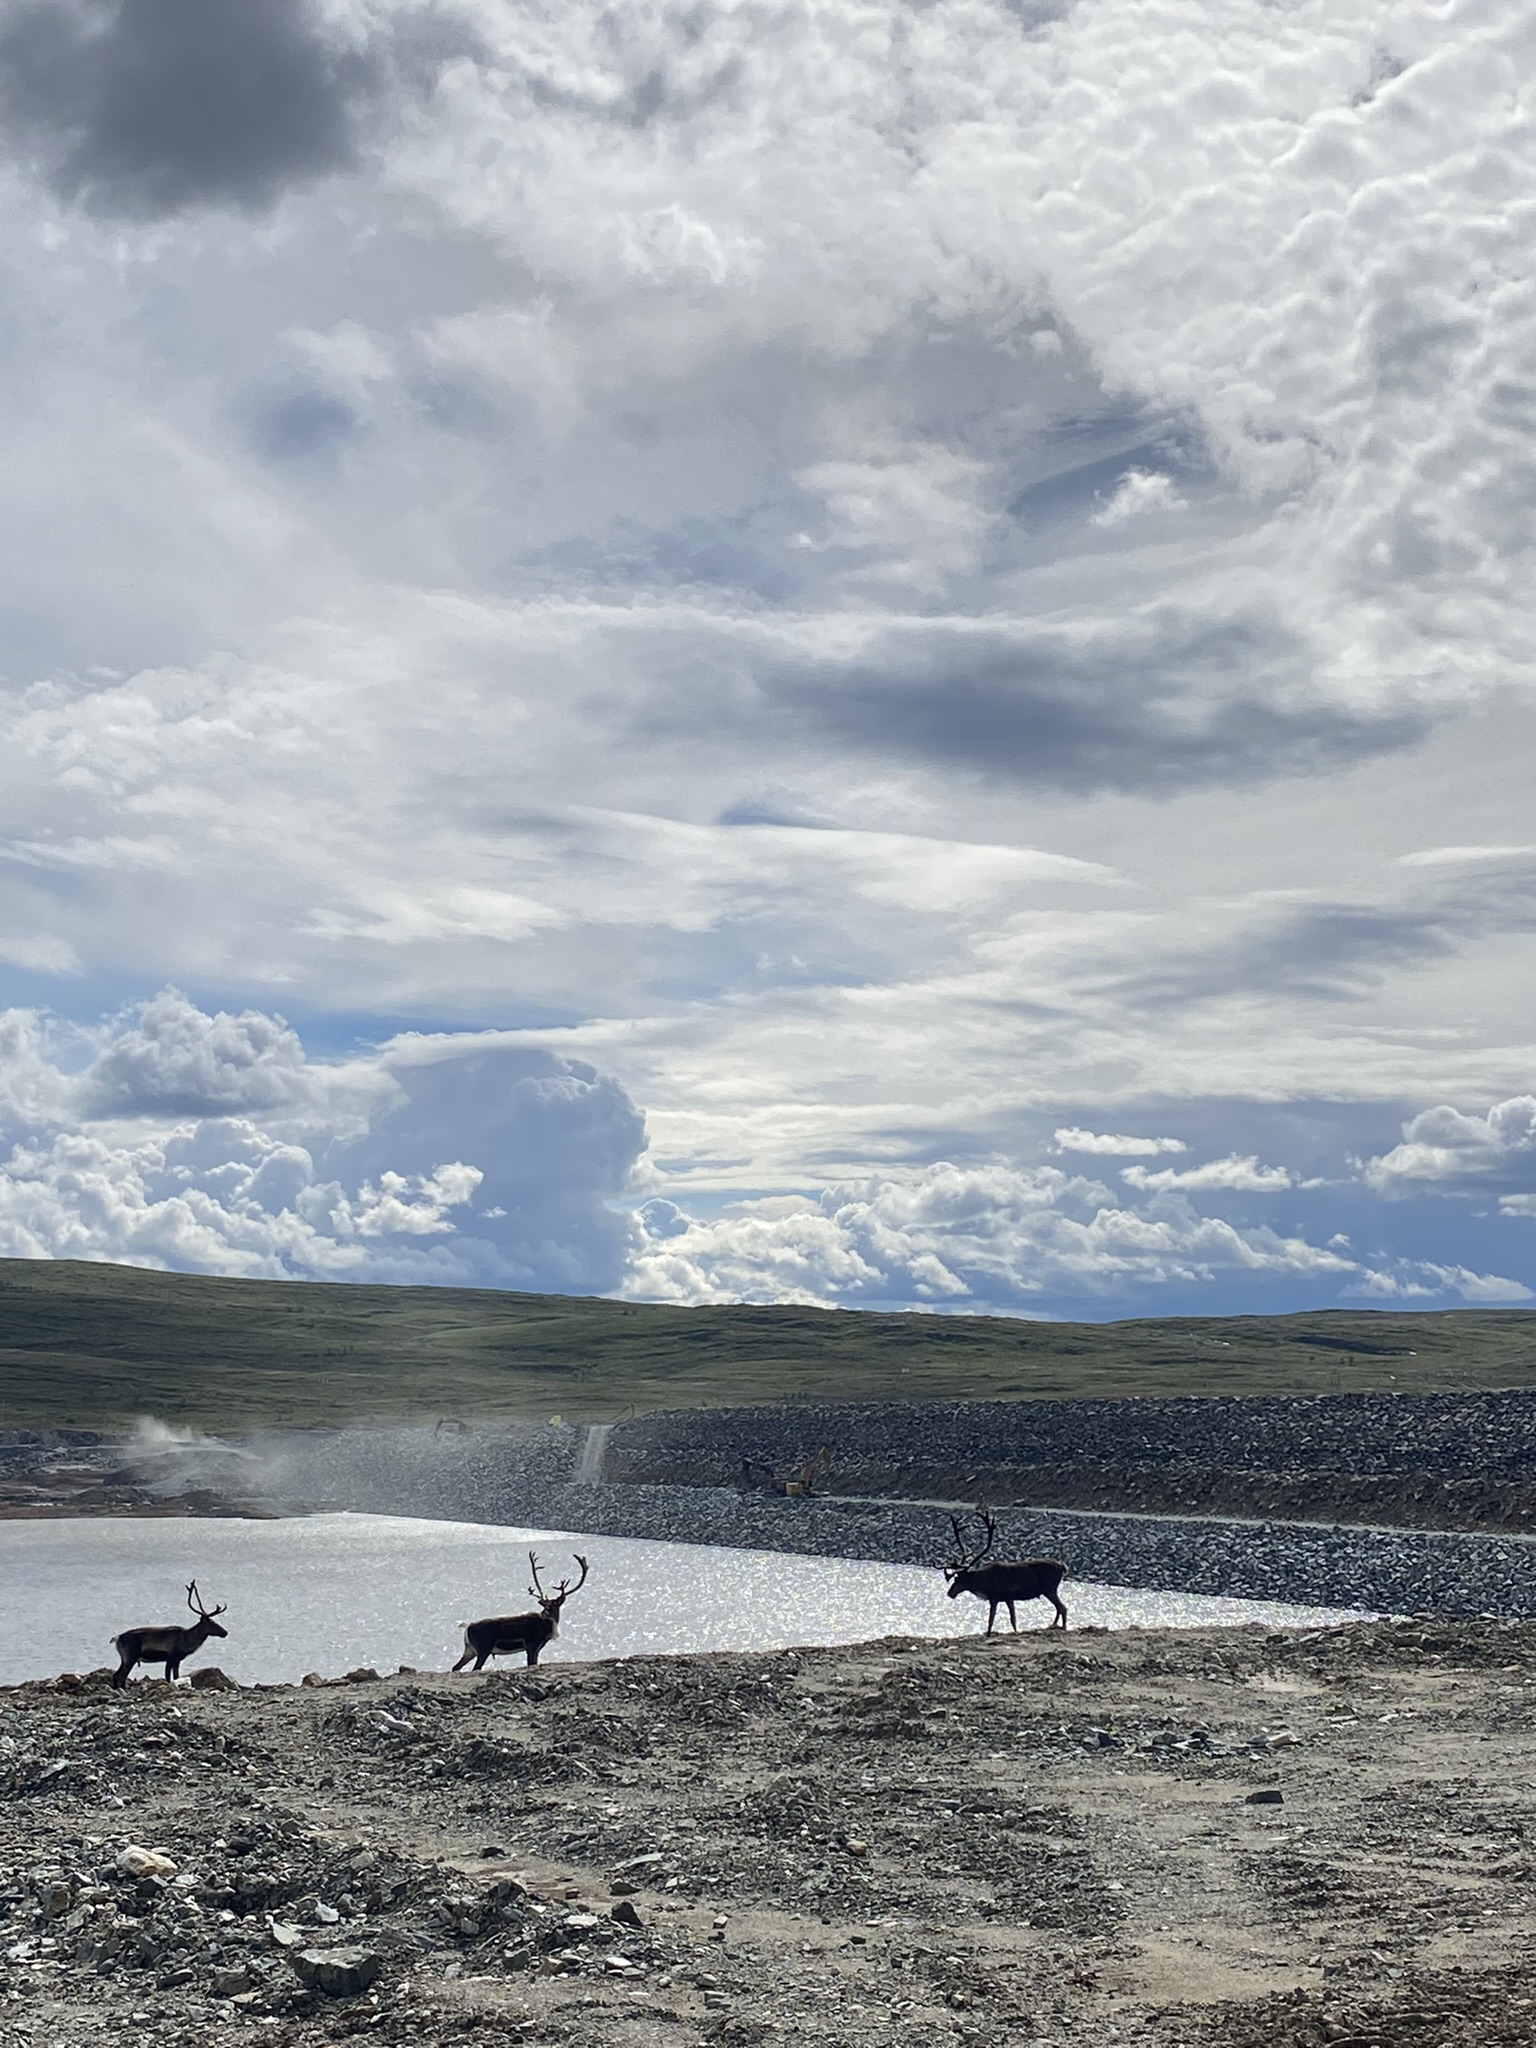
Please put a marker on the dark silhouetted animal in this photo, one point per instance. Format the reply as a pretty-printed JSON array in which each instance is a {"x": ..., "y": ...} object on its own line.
[
  {"x": 166, "y": 1645},
  {"x": 1003, "y": 1581},
  {"x": 503, "y": 1634}
]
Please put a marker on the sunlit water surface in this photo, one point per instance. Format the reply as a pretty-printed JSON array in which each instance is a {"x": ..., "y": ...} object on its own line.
[{"x": 329, "y": 1592}]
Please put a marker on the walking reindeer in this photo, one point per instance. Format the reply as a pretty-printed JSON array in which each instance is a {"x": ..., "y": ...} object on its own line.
[
  {"x": 502, "y": 1634},
  {"x": 167, "y": 1645},
  {"x": 1001, "y": 1582}
]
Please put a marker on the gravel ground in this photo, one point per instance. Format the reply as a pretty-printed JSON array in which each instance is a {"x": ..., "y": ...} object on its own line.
[{"x": 1220, "y": 1839}]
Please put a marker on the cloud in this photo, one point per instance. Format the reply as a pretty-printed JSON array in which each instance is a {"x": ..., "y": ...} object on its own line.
[
  {"x": 1446, "y": 1150},
  {"x": 1070, "y": 1139},
  {"x": 1424, "y": 1280},
  {"x": 210, "y": 1143},
  {"x": 1137, "y": 493},
  {"x": 987, "y": 1236},
  {"x": 145, "y": 107},
  {"x": 1159, "y": 701},
  {"x": 1461, "y": 856},
  {"x": 1228, "y": 1176},
  {"x": 168, "y": 1058}
]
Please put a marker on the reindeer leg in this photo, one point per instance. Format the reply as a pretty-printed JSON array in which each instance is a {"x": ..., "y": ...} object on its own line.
[
  {"x": 1013, "y": 1619},
  {"x": 533, "y": 1654},
  {"x": 468, "y": 1653},
  {"x": 120, "y": 1675},
  {"x": 1061, "y": 1612},
  {"x": 992, "y": 1607}
]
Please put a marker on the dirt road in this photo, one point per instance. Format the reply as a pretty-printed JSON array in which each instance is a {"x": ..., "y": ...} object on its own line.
[{"x": 1225, "y": 1839}]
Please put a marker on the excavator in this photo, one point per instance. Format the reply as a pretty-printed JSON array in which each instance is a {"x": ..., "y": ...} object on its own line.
[{"x": 794, "y": 1482}]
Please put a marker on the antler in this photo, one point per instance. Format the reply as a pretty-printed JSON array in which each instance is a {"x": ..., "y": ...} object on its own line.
[
  {"x": 566, "y": 1588},
  {"x": 537, "y": 1588},
  {"x": 966, "y": 1562},
  {"x": 195, "y": 1602}
]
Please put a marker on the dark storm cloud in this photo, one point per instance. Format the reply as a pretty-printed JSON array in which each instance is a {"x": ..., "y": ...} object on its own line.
[
  {"x": 1328, "y": 950},
  {"x": 1176, "y": 702},
  {"x": 143, "y": 108},
  {"x": 1337, "y": 951}
]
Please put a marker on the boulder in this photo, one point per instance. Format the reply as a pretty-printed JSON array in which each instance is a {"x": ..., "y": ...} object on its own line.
[{"x": 338, "y": 1972}]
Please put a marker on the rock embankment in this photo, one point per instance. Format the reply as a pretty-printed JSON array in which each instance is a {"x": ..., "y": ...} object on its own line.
[
  {"x": 1434, "y": 1461},
  {"x": 1458, "y": 1435},
  {"x": 1202, "y": 1839}
]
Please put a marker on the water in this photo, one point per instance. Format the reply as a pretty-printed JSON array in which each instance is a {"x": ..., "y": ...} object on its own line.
[{"x": 329, "y": 1592}]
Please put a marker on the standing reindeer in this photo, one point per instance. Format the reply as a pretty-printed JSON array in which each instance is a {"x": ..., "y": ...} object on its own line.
[
  {"x": 504, "y": 1633},
  {"x": 1002, "y": 1582},
  {"x": 167, "y": 1645}
]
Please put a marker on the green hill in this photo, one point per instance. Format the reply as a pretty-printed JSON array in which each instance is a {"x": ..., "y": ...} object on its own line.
[{"x": 90, "y": 1345}]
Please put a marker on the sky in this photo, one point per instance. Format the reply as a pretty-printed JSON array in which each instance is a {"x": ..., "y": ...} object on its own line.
[{"x": 858, "y": 651}]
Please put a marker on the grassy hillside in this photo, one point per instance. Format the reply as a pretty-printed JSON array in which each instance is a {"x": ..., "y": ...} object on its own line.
[{"x": 87, "y": 1344}]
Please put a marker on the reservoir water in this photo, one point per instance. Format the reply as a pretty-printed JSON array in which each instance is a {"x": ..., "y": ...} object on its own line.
[{"x": 329, "y": 1592}]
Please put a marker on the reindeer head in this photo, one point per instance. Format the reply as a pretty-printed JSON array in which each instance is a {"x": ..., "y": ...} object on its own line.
[
  {"x": 553, "y": 1602},
  {"x": 958, "y": 1573},
  {"x": 204, "y": 1614}
]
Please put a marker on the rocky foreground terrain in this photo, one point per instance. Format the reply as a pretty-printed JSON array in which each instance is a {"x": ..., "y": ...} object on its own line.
[{"x": 1221, "y": 1839}]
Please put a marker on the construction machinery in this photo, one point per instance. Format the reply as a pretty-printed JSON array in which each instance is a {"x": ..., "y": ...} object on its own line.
[{"x": 792, "y": 1482}]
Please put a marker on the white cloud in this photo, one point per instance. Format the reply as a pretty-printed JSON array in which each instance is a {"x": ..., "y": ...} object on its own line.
[
  {"x": 1138, "y": 492},
  {"x": 1463, "y": 856},
  {"x": 1448, "y": 1150},
  {"x": 168, "y": 1058},
  {"x": 211, "y": 1143},
  {"x": 1231, "y": 1176},
  {"x": 1069, "y": 1139},
  {"x": 1422, "y": 1280},
  {"x": 992, "y": 1236}
]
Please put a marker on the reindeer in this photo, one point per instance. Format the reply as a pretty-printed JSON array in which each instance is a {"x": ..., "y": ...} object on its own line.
[
  {"x": 1002, "y": 1582},
  {"x": 504, "y": 1633},
  {"x": 167, "y": 1645}
]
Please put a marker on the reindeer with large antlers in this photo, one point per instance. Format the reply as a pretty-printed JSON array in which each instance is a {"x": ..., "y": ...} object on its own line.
[
  {"x": 167, "y": 1645},
  {"x": 1002, "y": 1582},
  {"x": 503, "y": 1634}
]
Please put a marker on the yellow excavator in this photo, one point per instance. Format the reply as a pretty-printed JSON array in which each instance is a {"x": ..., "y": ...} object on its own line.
[{"x": 795, "y": 1482}]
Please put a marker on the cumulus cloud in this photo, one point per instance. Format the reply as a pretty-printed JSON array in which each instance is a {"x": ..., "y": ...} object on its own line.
[
  {"x": 1450, "y": 1151},
  {"x": 953, "y": 1236},
  {"x": 168, "y": 1058},
  {"x": 1137, "y": 493},
  {"x": 1228, "y": 1176},
  {"x": 1413, "y": 1283},
  {"x": 1070, "y": 1139},
  {"x": 210, "y": 1143}
]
